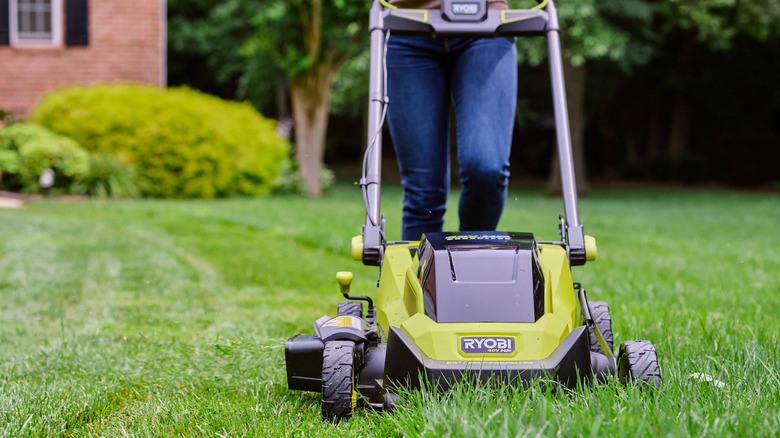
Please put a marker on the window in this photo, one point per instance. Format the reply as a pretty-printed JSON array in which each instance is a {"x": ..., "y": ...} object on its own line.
[{"x": 35, "y": 22}]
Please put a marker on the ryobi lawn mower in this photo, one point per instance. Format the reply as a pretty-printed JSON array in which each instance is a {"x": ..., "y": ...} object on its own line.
[{"x": 478, "y": 305}]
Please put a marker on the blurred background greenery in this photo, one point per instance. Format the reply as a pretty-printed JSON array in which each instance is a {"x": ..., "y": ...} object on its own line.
[{"x": 664, "y": 90}]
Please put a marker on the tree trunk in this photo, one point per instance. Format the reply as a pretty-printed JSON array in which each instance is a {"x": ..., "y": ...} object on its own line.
[
  {"x": 310, "y": 95},
  {"x": 575, "y": 97},
  {"x": 680, "y": 126},
  {"x": 656, "y": 134},
  {"x": 677, "y": 145}
]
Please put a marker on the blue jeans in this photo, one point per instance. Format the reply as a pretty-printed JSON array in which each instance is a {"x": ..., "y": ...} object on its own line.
[{"x": 478, "y": 76}]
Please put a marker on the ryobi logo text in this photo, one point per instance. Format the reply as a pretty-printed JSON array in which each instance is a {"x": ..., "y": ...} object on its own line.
[
  {"x": 487, "y": 344},
  {"x": 465, "y": 8}
]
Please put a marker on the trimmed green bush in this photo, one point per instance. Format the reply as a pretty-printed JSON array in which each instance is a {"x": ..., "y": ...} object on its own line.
[
  {"x": 290, "y": 181},
  {"x": 63, "y": 155},
  {"x": 26, "y": 150},
  {"x": 111, "y": 178},
  {"x": 14, "y": 136},
  {"x": 184, "y": 143}
]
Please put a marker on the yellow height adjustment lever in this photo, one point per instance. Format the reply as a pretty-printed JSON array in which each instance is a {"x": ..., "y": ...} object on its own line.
[{"x": 345, "y": 281}]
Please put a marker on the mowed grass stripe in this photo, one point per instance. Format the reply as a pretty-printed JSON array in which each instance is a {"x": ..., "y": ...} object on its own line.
[{"x": 158, "y": 318}]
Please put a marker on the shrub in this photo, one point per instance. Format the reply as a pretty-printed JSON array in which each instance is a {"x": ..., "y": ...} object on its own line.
[
  {"x": 730, "y": 162},
  {"x": 631, "y": 170},
  {"x": 692, "y": 168},
  {"x": 14, "y": 136},
  {"x": 26, "y": 150},
  {"x": 290, "y": 181},
  {"x": 184, "y": 143},
  {"x": 661, "y": 166},
  {"x": 109, "y": 177},
  {"x": 64, "y": 156}
]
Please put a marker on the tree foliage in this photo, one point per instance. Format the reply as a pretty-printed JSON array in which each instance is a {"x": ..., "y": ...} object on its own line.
[
  {"x": 300, "y": 34},
  {"x": 206, "y": 45},
  {"x": 617, "y": 30},
  {"x": 718, "y": 22},
  {"x": 657, "y": 60}
]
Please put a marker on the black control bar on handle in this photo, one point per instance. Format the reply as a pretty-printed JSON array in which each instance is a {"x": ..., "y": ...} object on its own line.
[
  {"x": 434, "y": 22},
  {"x": 471, "y": 19}
]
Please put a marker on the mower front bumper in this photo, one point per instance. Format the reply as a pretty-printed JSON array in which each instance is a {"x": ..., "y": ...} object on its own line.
[{"x": 406, "y": 364}]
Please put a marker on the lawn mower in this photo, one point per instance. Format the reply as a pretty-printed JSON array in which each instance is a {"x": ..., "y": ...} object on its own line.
[{"x": 463, "y": 306}]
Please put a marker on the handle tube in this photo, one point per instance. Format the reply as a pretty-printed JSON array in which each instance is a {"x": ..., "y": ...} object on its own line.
[
  {"x": 574, "y": 232},
  {"x": 371, "y": 181}
]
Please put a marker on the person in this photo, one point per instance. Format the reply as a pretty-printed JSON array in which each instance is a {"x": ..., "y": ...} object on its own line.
[{"x": 425, "y": 76}]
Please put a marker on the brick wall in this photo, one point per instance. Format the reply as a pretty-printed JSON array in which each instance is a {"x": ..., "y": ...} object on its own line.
[{"x": 126, "y": 43}]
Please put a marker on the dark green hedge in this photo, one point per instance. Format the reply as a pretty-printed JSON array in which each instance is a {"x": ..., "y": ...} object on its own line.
[{"x": 185, "y": 144}]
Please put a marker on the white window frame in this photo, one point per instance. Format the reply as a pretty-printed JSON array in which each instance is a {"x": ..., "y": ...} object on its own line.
[{"x": 56, "y": 27}]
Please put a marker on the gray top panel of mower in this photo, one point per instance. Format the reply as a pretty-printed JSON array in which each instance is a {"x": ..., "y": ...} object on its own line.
[{"x": 479, "y": 277}]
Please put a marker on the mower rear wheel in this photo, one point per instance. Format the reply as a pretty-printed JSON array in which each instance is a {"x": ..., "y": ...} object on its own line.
[
  {"x": 338, "y": 380},
  {"x": 599, "y": 312},
  {"x": 351, "y": 308},
  {"x": 637, "y": 362}
]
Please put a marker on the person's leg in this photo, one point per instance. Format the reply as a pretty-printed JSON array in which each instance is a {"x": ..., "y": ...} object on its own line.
[
  {"x": 417, "y": 113},
  {"x": 484, "y": 88}
]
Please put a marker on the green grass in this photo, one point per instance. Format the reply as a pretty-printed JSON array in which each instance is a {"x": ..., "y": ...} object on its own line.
[{"x": 168, "y": 318}]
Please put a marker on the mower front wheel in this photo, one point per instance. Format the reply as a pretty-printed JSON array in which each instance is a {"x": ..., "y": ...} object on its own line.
[
  {"x": 637, "y": 362},
  {"x": 338, "y": 380}
]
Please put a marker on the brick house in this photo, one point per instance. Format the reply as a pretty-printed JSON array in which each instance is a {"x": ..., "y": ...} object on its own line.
[{"x": 46, "y": 44}]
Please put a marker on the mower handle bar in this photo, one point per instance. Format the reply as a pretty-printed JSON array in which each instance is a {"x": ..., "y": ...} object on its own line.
[{"x": 436, "y": 22}]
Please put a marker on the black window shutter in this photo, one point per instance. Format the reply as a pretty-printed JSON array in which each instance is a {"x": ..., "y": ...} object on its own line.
[
  {"x": 5, "y": 24},
  {"x": 77, "y": 22}
]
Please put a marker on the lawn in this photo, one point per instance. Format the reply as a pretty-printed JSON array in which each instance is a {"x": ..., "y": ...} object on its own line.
[{"x": 168, "y": 318}]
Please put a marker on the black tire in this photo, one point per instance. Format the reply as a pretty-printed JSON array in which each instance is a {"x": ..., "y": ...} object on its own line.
[
  {"x": 599, "y": 312},
  {"x": 351, "y": 308},
  {"x": 338, "y": 380},
  {"x": 638, "y": 362}
]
